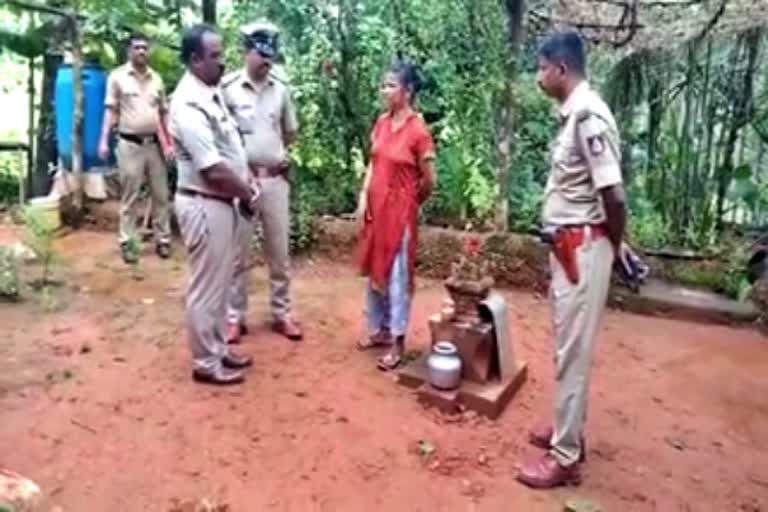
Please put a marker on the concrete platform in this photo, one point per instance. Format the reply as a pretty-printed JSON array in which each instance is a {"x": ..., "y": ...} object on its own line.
[
  {"x": 657, "y": 298},
  {"x": 490, "y": 399}
]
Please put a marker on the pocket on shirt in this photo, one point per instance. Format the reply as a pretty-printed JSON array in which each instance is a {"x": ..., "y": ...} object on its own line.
[
  {"x": 245, "y": 117},
  {"x": 224, "y": 128}
]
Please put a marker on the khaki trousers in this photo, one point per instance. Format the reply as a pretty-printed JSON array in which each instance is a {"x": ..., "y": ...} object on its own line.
[
  {"x": 140, "y": 163},
  {"x": 273, "y": 211},
  {"x": 208, "y": 230},
  {"x": 577, "y": 310}
]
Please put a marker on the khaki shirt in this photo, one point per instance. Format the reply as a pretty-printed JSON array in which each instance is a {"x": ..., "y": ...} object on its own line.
[
  {"x": 585, "y": 158},
  {"x": 264, "y": 115},
  {"x": 137, "y": 99},
  {"x": 204, "y": 132}
]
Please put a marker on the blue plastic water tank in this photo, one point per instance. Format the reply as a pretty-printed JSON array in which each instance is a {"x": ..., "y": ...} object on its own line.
[{"x": 94, "y": 89}]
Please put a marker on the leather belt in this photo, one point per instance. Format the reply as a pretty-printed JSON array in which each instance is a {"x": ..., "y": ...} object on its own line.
[
  {"x": 579, "y": 232},
  {"x": 264, "y": 171},
  {"x": 566, "y": 240},
  {"x": 140, "y": 139},
  {"x": 549, "y": 234},
  {"x": 196, "y": 193}
]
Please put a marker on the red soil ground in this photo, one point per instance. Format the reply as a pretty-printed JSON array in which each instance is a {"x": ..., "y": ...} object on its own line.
[{"x": 99, "y": 408}]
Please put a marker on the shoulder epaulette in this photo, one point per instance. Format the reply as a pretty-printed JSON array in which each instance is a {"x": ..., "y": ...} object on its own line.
[
  {"x": 278, "y": 78},
  {"x": 230, "y": 79}
]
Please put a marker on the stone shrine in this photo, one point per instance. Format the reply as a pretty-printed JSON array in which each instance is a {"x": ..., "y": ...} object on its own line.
[{"x": 475, "y": 320}]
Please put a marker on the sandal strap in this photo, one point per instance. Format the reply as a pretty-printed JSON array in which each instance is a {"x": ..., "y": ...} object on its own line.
[
  {"x": 373, "y": 342},
  {"x": 390, "y": 360}
]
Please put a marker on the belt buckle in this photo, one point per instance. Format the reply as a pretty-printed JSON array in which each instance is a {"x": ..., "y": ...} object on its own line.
[{"x": 146, "y": 140}]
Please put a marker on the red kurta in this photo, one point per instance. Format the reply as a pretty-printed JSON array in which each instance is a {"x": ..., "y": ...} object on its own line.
[{"x": 393, "y": 196}]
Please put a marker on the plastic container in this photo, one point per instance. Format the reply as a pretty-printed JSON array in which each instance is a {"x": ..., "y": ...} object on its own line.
[
  {"x": 94, "y": 79},
  {"x": 47, "y": 207}
]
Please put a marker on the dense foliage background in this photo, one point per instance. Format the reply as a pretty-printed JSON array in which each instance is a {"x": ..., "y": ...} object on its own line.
[{"x": 687, "y": 81}]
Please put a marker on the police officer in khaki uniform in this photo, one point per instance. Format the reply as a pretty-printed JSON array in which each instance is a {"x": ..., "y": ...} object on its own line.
[
  {"x": 262, "y": 106},
  {"x": 584, "y": 217},
  {"x": 213, "y": 184},
  {"x": 135, "y": 103}
]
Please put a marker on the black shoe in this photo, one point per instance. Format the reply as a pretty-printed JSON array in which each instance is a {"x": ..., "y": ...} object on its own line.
[
  {"x": 129, "y": 256},
  {"x": 236, "y": 362},
  {"x": 163, "y": 250},
  {"x": 222, "y": 377}
]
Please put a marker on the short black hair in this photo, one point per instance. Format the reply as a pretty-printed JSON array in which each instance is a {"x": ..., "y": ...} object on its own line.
[
  {"x": 565, "y": 48},
  {"x": 192, "y": 41},
  {"x": 136, "y": 36},
  {"x": 408, "y": 74}
]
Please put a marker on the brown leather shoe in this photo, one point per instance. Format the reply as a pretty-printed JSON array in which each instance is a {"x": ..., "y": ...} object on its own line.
[
  {"x": 288, "y": 328},
  {"x": 222, "y": 377},
  {"x": 541, "y": 437},
  {"x": 547, "y": 473},
  {"x": 233, "y": 332},
  {"x": 236, "y": 361}
]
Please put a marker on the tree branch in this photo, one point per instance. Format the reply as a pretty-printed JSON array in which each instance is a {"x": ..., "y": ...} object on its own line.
[
  {"x": 577, "y": 25},
  {"x": 631, "y": 27},
  {"x": 658, "y": 3},
  {"x": 712, "y": 21},
  {"x": 28, "y": 5}
]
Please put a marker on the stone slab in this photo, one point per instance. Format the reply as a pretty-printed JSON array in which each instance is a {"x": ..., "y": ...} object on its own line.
[
  {"x": 657, "y": 298},
  {"x": 18, "y": 493},
  {"x": 495, "y": 310},
  {"x": 489, "y": 399}
]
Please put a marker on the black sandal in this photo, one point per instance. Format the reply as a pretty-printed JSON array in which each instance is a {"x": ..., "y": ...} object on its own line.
[{"x": 378, "y": 340}]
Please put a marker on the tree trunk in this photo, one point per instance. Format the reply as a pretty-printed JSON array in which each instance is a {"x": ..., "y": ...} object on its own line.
[
  {"x": 702, "y": 136},
  {"x": 515, "y": 13},
  {"x": 77, "y": 115},
  {"x": 209, "y": 12},
  {"x": 31, "y": 128},
  {"x": 655, "y": 113},
  {"x": 45, "y": 147},
  {"x": 685, "y": 147},
  {"x": 177, "y": 13},
  {"x": 355, "y": 127}
]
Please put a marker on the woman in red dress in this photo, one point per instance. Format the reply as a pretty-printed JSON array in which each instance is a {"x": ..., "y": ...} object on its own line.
[{"x": 399, "y": 179}]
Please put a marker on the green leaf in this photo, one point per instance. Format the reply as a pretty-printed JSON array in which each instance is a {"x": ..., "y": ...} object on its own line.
[
  {"x": 29, "y": 45},
  {"x": 743, "y": 172},
  {"x": 745, "y": 288}
]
